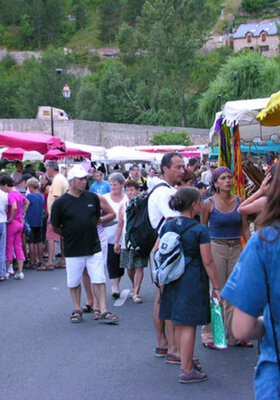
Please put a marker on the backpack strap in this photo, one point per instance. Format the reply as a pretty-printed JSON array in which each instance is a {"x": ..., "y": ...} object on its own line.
[
  {"x": 187, "y": 228},
  {"x": 155, "y": 187}
]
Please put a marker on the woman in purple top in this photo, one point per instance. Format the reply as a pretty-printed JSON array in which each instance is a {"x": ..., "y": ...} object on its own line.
[
  {"x": 17, "y": 206},
  {"x": 226, "y": 227}
]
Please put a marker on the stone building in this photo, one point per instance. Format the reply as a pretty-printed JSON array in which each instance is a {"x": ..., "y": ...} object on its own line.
[{"x": 260, "y": 36}]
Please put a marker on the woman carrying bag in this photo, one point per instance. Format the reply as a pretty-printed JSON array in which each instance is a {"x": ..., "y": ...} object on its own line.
[{"x": 226, "y": 227}]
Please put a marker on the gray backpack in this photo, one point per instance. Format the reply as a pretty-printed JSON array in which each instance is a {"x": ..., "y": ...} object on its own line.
[{"x": 170, "y": 261}]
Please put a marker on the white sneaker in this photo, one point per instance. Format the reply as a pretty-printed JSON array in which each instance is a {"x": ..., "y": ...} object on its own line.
[
  {"x": 19, "y": 276},
  {"x": 11, "y": 269}
]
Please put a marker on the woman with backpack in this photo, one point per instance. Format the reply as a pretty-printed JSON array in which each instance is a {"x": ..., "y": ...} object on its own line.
[
  {"x": 254, "y": 286},
  {"x": 186, "y": 301}
]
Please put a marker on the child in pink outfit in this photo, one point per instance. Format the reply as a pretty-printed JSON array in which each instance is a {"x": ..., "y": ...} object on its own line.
[{"x": 17, "y": 206}]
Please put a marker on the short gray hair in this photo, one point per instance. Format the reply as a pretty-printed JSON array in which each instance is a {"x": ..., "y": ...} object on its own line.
[
  {"x": 117, "y": 177},
  {"x": 52, "y": 164}
]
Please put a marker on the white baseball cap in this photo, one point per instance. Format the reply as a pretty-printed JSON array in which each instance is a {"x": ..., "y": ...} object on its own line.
[{"x": 77, "y": 172}]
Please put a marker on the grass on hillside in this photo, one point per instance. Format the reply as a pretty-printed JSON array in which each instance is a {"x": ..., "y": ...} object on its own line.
[{"x": 87, "y": 38}]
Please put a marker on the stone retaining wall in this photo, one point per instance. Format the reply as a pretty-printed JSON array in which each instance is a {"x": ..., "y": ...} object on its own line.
[{"x": 99, "y": 133}]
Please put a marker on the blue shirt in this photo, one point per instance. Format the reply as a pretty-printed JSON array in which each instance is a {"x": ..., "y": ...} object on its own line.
[
  {"x": 34, "y": 213},
  {"x": 246, "y": 289},
  {"x": 101, "y": 188}
]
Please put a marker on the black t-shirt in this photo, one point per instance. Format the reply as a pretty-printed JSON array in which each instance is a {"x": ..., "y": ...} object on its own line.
[{"x": 78, "y": 216}]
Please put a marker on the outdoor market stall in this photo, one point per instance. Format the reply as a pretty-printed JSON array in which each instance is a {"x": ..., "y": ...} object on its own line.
[
  {"x": 20, "y": 154},
  {"x": 57, "y": 154},
  {"x": 239, "y": 121},
  {"x": 31, "y": 141},
  {"x": 98, "y": 153}
]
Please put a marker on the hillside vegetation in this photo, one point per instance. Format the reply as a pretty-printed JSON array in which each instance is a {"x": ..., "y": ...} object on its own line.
[{"x": 158, "y": 77}]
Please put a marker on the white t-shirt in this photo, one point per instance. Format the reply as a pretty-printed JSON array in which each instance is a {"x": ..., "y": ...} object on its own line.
[
  {"x": 158, "y": 204},
  {"x": 152, "y": 182},
  {"x": 112, "y": 225},
  {"x": 3, "y": 205}
]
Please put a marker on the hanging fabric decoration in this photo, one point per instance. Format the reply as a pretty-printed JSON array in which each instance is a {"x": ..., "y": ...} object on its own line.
[
  {"x": 238, "y": 177},
  {"x": 224, "y": 146}
]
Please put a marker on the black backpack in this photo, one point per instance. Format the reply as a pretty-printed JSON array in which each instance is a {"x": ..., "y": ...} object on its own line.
[{"x": 140, "y": 235}]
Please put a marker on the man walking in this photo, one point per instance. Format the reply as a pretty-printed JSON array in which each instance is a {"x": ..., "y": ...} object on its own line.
[
  {"x": 75, "y": 216},
  {"x": 172, "y": 168}
]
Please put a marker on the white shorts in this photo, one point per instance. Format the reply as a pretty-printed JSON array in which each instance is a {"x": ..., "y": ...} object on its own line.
[{"x": 76, "y": 265}]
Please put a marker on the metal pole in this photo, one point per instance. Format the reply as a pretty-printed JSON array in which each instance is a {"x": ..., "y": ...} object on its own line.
[{"x": 52, "y": 128}]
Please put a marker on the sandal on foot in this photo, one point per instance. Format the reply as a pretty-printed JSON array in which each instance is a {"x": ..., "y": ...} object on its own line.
[
  {"x": 96, "y": 315},
  {"x": 108, "y": 318},
  {"x": 60, "y": 265},
  {"x": 76, "y": 316},
  {"x": 41, "y": 268},
  {"x": 210, "y": 345},
  {"x": 49, "y": 267},
  {"x": 87, "y": 309},
  {"x": 244, "y": 343},
  {"x": 137, "y": 299},
  {"x": 116, "y": 295},
  {"x": 160, "y": 352}
]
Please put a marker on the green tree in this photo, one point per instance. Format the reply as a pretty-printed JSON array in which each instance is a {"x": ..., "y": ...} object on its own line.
[
  {"x": 169, "y": 35},
  {"x": 169, "y": 138},
  {"x": 78, "y": 8},
  {"x": 246, "y": 76},
  {"x": 131, "y": 10},
  {"x": 109, "y": 21},
  {"x": 253, "y": 5},
  {"x": 87, "y": 105}
]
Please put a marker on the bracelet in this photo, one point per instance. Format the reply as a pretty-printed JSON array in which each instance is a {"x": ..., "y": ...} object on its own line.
[{"x": 216, "y": 288}]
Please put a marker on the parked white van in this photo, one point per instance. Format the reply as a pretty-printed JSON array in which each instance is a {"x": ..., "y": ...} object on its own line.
[{"x": 44, "y": 112}]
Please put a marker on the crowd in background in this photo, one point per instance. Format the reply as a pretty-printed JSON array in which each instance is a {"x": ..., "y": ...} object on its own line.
[{"x": 26, "y": 206}]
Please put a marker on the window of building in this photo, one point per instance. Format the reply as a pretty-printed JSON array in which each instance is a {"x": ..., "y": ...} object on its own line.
[
  {"x": 263, "y": 36},
  {"x": 264, "y": 48},
  {"x": 249, "y": 38}
]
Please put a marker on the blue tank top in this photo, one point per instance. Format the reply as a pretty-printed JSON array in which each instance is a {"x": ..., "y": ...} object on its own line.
[{"x": 225, "y": 225}]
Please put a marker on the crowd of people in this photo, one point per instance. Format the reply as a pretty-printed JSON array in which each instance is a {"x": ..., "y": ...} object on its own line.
[{"x": 86, "y": 215}]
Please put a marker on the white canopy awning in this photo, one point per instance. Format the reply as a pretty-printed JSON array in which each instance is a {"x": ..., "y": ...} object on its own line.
[
  {"x": 98, "y": 153},
  {"x": 126, "y": 154},
  {"x": 244, "y": 113}
]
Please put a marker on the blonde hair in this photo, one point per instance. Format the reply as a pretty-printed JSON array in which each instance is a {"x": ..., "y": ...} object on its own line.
[{"x": 32, "y": 182}]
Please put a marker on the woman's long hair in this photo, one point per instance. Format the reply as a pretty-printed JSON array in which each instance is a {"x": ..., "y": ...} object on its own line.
[{"x": 270, "y": 215}]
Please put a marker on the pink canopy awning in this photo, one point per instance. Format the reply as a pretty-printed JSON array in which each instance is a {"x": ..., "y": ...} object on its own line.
[
  {"x": 58, "y": 155},
  {"x": 30, "y": 141},
  {"x": 20, "y": 154}
]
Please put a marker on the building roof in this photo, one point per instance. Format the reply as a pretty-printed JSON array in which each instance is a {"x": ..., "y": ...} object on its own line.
[{"x": 256, "y": 28}]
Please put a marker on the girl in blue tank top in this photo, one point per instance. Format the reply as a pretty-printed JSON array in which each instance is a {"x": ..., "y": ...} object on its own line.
[{"x": 226, "y": 227}]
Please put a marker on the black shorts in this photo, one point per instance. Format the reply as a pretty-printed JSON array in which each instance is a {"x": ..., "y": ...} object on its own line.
[
  {"x": 36, "y": 235},
  {"x": 113, "y": 263}
]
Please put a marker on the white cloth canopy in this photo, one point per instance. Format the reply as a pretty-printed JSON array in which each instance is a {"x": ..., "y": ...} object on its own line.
[
  {"x": 122, "y": 154},
  {"x": 98, "y": 153},
  {"x": 244, "y": 113}
]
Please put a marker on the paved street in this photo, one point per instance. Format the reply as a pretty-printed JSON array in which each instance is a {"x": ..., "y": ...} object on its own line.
[{"x": 44, "y": 357}]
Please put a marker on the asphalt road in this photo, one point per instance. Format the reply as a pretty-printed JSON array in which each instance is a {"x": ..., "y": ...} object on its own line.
[{"x": 45, "y": 357}]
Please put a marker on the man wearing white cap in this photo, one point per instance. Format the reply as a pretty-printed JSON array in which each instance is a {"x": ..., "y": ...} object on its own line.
[{"x": 75, "y": 216}]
